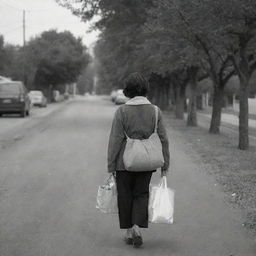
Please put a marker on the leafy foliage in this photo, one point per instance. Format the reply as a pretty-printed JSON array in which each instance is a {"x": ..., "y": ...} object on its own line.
[
  {"x": 117, "y": 49},
  {"x": 48, "y": 61},
  {"x": 57, "y": 58},
  {"x": 165, "y": 38}
]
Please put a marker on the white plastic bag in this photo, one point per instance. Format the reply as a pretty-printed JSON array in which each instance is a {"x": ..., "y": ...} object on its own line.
[
  {"x": 107, "y": 197},
  {"x": 161, "y": 203}
]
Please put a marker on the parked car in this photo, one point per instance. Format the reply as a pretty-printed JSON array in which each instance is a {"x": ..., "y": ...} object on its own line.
[
  {"x": 120, "y": 97},
  {"x": 37, "y": 98},
  {"x": 55, "y": 95},
  {"x": 14, "y": 98},
  {"x": 113, "y": 95},
  {"x": 66, "y": 96}
]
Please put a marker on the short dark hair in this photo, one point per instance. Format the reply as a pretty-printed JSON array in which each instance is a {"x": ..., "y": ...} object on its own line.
[{"x": 135, "y": 85}]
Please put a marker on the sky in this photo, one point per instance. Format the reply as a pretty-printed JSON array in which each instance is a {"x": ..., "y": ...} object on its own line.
[{"x": 41, "y": 15}]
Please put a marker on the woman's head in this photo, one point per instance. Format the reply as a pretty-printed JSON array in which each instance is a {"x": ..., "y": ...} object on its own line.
[{"x": 135, "y": 85}]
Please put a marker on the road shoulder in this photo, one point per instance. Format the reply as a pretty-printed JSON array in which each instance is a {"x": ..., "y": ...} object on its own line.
[
  {"x": 14, "y": 128},
  {"x": 231, "y": 169}
]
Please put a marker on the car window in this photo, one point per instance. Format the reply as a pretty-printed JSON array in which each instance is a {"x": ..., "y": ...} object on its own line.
[
  {"x": 120, "y": 92},
  {"x": 35, "y": 93},
  {"x": 10, "y": 88}
]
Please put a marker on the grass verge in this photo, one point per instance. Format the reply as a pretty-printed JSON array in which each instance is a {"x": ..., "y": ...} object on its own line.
[{"x": 233, "y": 169}]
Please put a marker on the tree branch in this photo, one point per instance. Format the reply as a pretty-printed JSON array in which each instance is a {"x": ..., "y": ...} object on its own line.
[
  {"x": 202, "y": 77},
  {"x": 252, "y": 67},
  {"x": 223, "y": 66},
  {"x": 236, "y": 65},
  {"x": 227, "y": 77}
]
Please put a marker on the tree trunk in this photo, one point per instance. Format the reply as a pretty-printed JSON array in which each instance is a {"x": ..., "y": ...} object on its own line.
[
  {"x": 244, "y": 72},
  {"x": 152, "y": 96},
  {"x": 192, "y": 109},
  {"x": 49, "y": 94},
  {"x": 160, "y": 97},
  {"x": 218, "y": 95},
  {"x": 243, "y": 115},
  {"x": 180, "y": 106},
  {"x": 167, "y": 95}
]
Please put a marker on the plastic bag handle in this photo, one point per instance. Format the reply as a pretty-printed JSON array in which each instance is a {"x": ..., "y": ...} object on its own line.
[
  {"x": 111, "y": 178},
  {"x": 164, "y": 182}
]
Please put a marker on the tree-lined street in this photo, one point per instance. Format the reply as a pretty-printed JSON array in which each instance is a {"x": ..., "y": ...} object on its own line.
[
  {"x": 48, "y": 188},
  {"x": 199, "y": 62},
  {"x": 176, "y": 45}
]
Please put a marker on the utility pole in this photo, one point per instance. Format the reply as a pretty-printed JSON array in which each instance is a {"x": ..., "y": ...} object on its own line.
[
  {"x": 24, "y": 44},
  {"x": 24, "y": 27}
]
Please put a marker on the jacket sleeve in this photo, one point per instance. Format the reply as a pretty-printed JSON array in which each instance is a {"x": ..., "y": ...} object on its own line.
[
  {"x": 164, "y": 140},
  {"x": 116, "y": 139}
]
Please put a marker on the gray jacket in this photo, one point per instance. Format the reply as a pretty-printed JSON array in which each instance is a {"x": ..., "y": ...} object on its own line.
[{"x": 137, "y": 119}]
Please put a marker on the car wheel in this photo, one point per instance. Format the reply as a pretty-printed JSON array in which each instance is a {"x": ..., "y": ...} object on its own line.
[{"x": 23, "y": 113}]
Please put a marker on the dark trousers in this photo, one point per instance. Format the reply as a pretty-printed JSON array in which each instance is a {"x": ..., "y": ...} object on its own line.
[{"x": 133, "y": 195}]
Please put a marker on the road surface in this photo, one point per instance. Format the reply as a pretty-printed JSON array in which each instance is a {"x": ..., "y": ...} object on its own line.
[{"x": 48, "y": 183}]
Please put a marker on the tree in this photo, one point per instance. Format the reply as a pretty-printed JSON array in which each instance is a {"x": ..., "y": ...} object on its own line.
[
  {"x": 11, "y": 61},
  {"x": 235, "y": 23},
  {"x": 223, "y": 33},
  {"x": 180, "y": 81},
  {"x": 120, "y": 23},
  {"x": 240, "y": 29},
  {"x": 85, "y": 81},
  {"x": 214, "y": 36},
  {"x": 55, "y": 58},
  {"x": 2, "y": 59},
  {"x": 195, "y": 23},
  {"x": 175, "y": 53}
]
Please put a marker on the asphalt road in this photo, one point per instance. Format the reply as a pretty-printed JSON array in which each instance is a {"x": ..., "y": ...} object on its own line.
[{"x": 48, "y": 183}]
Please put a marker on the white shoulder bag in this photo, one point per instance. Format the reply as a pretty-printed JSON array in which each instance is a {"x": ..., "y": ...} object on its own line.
[{"x": 144, "y": 155}]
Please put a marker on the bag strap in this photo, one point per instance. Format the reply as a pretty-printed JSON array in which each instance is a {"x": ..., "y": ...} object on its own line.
[
  {"x": 156, "y": 114},
  {"x": 163, "y": 182},
  {"x": 111, "y": 178},
  {"x": 127, "y": 137},
  {"x": 156, "y": 121}
]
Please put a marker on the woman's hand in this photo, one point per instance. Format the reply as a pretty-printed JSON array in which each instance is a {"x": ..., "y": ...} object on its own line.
[
  {"x": 163, "y": 173},
  {"x": 114, "y": 174}
]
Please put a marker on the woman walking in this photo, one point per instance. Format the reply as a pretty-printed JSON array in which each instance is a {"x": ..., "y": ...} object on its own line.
[{"x": 136, "y": 119}]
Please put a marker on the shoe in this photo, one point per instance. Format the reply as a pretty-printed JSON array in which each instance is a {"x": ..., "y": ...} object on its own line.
[
  {"x": 136, "y": 237},
  {"x": 128, "y": 236}
]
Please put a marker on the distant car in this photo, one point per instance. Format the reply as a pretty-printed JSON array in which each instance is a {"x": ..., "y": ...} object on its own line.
[
  {"x": 14, "y": 98},
  {"x": 55, "y": 95},
  {"x": 37, "y": 98},
  {"x": 66, "y": 96},
  {"x": 113, "y": 95},
  {"x": 120, "y": 97}
]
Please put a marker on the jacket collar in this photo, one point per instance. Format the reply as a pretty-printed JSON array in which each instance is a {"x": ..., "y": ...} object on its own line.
[{"x": 138, "y": 100}]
